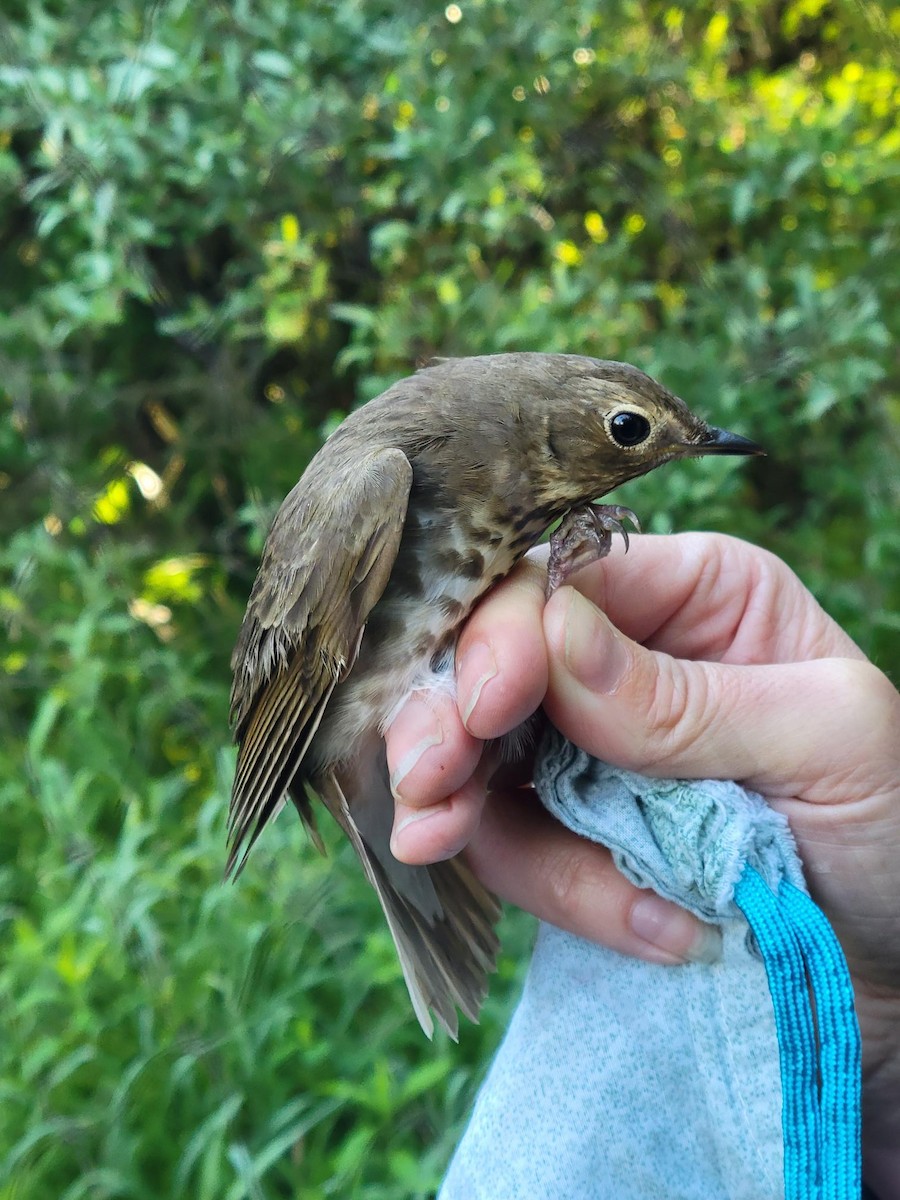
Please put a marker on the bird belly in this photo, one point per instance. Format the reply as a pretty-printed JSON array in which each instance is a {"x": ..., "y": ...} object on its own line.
[
  {"x": 409, "y": 646},
  {"x": 375, "y": 690}
]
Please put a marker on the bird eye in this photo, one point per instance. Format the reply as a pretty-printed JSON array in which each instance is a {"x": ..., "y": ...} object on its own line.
[{"x": 629, "y": 428}]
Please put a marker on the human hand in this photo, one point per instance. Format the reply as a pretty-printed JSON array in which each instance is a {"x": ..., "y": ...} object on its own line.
[{"x": 725, "y": 667}]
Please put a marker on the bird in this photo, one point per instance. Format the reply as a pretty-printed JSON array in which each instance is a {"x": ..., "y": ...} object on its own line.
[{"x": 414, "y": 507}]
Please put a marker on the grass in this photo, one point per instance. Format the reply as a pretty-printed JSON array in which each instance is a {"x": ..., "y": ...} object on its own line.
[{"x": 166, "y": 1034}]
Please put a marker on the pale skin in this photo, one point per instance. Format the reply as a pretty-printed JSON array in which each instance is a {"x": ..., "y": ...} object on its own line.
[{"x": 712, "y": 660}]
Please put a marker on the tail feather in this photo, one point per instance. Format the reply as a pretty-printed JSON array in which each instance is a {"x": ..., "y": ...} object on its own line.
[
  {"x": 445, "y": 963},
  {"x": 441, "y": 918}
]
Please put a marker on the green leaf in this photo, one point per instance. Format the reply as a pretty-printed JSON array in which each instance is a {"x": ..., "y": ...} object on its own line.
[{"x": 272, "y": 63}]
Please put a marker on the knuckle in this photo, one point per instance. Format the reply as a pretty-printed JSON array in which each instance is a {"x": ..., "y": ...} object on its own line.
[
  {"x": 871, "y": 698},
  {"x": 680, "y": 711},
  {"x": 576, "y": 886},
  {"x": 571, "y": 878}
]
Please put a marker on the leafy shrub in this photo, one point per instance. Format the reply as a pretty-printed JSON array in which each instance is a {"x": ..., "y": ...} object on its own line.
[{"x": 224, "y": 225}]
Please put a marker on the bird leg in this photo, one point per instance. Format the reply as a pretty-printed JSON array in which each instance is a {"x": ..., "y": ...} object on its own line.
[{"x": 584, "y": 536}]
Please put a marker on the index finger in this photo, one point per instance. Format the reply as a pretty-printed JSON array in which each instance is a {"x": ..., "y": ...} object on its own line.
[
  {"x": 712, "y": 597},
  {"x": 501, "y": 660}
]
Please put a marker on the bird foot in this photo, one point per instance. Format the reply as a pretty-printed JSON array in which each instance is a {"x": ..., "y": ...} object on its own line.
[{"x": 584, "y": 536}]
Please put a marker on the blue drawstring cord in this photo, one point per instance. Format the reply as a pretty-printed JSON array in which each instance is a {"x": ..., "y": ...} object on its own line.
[
  {"x": 839, "y": 1044},
  {"x": 819, "y": 1057}
]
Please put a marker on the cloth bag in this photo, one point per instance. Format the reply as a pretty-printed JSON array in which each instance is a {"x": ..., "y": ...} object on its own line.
[{"x": 623, "y": 1080}]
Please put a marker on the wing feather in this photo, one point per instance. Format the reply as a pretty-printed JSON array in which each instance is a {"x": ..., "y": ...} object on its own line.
[{"x": 327, "y": 562}]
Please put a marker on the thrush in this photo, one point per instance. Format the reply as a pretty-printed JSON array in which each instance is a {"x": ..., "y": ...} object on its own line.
[{"x": 414, "y": 507}]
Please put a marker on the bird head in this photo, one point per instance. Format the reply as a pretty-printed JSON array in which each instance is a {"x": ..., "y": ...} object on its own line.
[{"x": 610, "y": 423}]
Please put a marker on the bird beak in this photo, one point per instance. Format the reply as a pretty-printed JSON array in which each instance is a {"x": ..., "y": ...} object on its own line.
[{"x": 720, "y": 441}]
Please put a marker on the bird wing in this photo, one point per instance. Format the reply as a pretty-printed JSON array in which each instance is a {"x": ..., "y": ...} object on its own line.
[{"x": 327, "y": 562}]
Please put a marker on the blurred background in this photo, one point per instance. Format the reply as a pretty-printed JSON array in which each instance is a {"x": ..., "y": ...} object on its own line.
[{"x": 221, "y": 227}]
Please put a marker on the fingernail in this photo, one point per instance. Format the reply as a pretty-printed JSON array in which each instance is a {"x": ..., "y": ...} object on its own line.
[
  {"x": 414, "y": 816},
  {"x": 411, "y": 758},
  {"x": 595, "y": 652},
  {"x": 478, "y": 661},
  {"x": 421, "y": 726},
  {"x": 675, "y": 931}
]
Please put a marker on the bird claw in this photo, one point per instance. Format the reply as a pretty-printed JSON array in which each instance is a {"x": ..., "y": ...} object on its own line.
[
  {"x": 609, "y": 518},
  {"x": 584, "y": 536}
]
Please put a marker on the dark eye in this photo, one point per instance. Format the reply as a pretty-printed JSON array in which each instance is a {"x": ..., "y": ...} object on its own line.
[{"x": 629, "y": 428}]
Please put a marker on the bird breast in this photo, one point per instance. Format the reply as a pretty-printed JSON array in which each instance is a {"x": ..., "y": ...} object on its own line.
[{"x": 410, "y": 640}]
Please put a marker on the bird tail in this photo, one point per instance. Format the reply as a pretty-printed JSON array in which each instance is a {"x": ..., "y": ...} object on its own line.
[{"x": 441, "y": 918}]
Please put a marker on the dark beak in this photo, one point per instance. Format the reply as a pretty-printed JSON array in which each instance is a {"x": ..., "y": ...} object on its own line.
[{"x": 720, "y": 441}]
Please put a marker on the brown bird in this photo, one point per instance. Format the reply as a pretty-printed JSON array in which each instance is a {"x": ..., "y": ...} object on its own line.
[{"x": 417, "y": 504}]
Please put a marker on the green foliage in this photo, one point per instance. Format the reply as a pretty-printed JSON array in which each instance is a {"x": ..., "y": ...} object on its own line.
[
  {"x": 221, "y": 226},
  {"x": 165, "y": 1034}
]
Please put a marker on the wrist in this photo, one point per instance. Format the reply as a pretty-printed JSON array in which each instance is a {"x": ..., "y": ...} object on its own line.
[
  {"x": 881, "y": 1172},
  {"x": 879, "y": 1019}
]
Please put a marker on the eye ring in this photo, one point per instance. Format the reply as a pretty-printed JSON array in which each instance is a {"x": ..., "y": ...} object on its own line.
[{"x": 629, "y": 428}]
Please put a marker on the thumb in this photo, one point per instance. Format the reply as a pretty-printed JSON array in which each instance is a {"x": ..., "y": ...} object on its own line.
[{"x": 783, "y": 728}]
